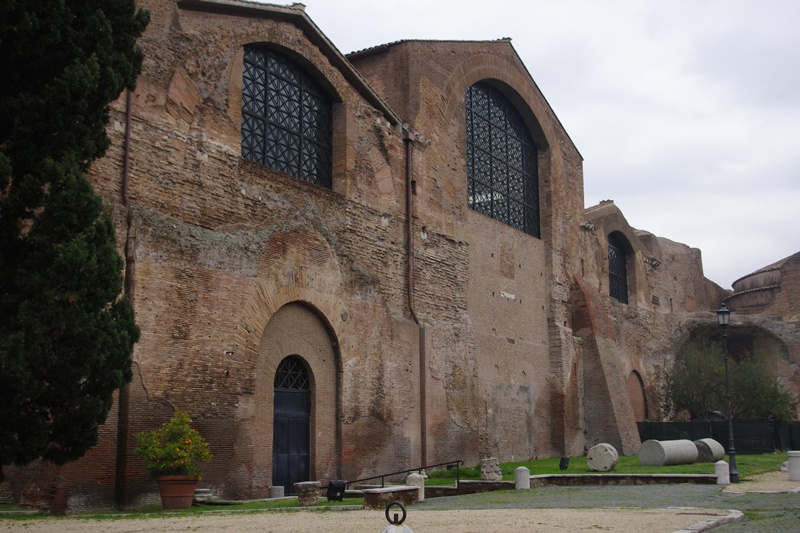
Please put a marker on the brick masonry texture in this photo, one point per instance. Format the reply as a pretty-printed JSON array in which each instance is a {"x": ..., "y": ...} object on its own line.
[{"x": 514, "y": 348}]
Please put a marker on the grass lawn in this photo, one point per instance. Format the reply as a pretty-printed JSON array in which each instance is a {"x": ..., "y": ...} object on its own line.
[{"x": 748, "y": 465}]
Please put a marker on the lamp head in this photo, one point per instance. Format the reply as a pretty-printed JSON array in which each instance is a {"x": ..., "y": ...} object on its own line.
[{"x": 723, "y": 315}]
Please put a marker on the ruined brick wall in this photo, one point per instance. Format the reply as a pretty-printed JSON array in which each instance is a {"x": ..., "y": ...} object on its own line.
[
  {"x": 514, "y": 348},
  {"x": 223, "y": 244},
  {"x": 502, "y": 360}
]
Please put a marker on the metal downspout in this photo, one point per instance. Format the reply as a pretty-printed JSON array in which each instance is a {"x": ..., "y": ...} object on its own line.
[
  {"x": 408, "y": 138},
  {"x": 124, "y": 396}
]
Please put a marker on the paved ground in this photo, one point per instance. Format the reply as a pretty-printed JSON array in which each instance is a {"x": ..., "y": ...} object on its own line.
[{"x": 768, "y": 502}]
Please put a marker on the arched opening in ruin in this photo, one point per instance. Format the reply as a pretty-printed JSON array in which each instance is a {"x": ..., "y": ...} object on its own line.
[
  {"x": 747, "y": 340},
  {"x": 619, "y": 253},
  {"x": 297, "y": 434},
  {"x": 637, "y": 396}
]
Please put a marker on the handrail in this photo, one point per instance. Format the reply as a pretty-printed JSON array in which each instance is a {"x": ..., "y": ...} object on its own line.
[{"x": 382, "y": 477}]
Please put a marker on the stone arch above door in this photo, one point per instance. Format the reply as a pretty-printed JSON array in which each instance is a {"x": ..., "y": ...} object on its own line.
[{"x": 297, "y": 329}]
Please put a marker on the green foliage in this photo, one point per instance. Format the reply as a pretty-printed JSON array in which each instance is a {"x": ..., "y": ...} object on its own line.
[
  {"x": 696, "y": 384},
  {"x": 66, "y": 335},
  {"x": 173, "y": 449}
]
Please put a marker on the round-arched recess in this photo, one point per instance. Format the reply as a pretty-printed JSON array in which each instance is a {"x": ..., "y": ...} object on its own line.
[
  {"x": 296, "y": 434},
  {"x": 637, "y": 396},
  {"x": 619, "y": 251}
]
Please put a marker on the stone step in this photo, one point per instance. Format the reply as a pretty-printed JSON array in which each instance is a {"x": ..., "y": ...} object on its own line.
[{"x": 204, "y": 495}]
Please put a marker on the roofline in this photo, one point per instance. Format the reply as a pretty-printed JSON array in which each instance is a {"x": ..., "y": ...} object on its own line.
[
  {"x": 297, "y": 15},
  {"x": 383, "y": 48},
  {"x": 545, "y": 100}
]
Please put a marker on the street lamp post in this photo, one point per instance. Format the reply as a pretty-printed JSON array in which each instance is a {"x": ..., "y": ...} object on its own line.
[{"x": 724, "y": 317}]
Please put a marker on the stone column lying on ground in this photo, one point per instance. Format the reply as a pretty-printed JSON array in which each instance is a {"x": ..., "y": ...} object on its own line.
[
  {"x": 709, "y": 451},
  {"x": 602, "y": 458},
  {"x": 667, "y": 452}
]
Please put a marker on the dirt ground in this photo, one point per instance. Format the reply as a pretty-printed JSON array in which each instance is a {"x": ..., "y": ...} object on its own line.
[
  {"x": 476, "y": 521},
  {"x": 622, "y": 520}
]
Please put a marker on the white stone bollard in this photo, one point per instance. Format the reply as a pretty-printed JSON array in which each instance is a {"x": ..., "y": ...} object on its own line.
[
  {"x": 416, "y": 480},
  {"x": 667, "y": 452},
  {"x": 723, "y": 473},
  {"x": 794, "y": 465},
  {"x": 602, "y": 458},
  {"x": 522, "y": 478},
  {"x": 709, "y": 450}
]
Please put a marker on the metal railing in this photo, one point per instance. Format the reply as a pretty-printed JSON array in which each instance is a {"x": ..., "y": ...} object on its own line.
[{"x": 458, "y": 463}]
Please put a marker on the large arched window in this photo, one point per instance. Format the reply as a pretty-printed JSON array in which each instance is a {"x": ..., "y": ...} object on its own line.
[
  {"x": 286, "y": 117},
  {"x": 501, "y": 160},
  {"x": 618, "y": 267}
]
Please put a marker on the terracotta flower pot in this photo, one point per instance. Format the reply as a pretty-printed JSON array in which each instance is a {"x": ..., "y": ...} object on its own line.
[{"x": 177, "y": 492}]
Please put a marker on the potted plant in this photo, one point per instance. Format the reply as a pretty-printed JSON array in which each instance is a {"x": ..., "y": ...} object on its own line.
[{"x": 171, "y": 454}]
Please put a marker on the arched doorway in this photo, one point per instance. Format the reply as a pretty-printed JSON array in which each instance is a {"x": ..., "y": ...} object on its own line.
[
  {"x": 291, "y": 424},
  {"x": 296, "y": 431}
]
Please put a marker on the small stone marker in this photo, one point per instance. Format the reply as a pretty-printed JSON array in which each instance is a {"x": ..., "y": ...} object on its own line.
[
  {"x": 602, "y": 458},
  {"x": 490, "y": 469},
  {"x": 307, "y": 493},
  {"x": 416, "y": 480},
  {"x": 709, "y": 450},
  {"x": 794, "y": 465},
  {"x": 522, "y": 478},
  {"x": 276, "y": 491},
  {"x": 723, "y": 473}
]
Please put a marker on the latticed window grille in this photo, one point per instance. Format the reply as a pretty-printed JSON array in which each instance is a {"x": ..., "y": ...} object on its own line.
[
  {"x": 292, "y": 374},
  {"x": 617, "y": 268},
  {"x": 286, "y": 117},
  {"x": 502, "y": 164}
]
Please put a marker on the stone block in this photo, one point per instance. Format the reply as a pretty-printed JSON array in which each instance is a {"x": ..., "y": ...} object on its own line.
[
  {"x": 417, "y": 480},
  {"x": 490, "y": 469},
  {"x": 307, "y": 493}
]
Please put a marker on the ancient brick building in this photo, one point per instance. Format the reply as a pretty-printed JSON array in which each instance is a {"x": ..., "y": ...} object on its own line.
[{"x": 348, "y": 265}]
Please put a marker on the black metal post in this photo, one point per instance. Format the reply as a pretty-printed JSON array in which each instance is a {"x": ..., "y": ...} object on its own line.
[{"x": 734, "y": 472}]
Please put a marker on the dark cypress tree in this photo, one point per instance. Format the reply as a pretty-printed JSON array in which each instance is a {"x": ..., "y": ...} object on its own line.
[{"x": 66, "y": 333}]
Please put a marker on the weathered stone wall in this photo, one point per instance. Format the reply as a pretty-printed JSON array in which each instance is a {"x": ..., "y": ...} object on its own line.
[
  {"x": 513, "y": 284},
  {"x": 513, "y": 348},
  {"x": 223, "y": 244}
]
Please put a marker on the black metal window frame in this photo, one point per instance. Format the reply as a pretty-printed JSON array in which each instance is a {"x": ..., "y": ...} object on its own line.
[
  {"x": 287, "y": 118},
  {"x": 292, "y": 374},
  {"x": 502, "y": 160},
  {"x": 617, "y": 268}
]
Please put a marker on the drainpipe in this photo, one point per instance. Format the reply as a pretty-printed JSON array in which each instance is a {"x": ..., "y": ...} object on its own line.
[
  {"x": 408, "y": 138},
  {"x": 124, "y": 396}
]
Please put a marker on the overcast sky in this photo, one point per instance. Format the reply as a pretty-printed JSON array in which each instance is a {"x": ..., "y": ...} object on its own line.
[{"x": 687, "y": 113}]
